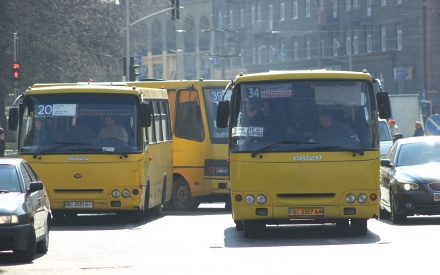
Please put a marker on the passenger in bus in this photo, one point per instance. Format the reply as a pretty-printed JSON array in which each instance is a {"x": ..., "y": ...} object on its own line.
[
  {"x": 259, "y": 118},
  {"x": 331, "y": 128},
  {"x": 82, "y": 133},
  {"x": 56, "y": 135},
  {"x": 111, "y": 131}
]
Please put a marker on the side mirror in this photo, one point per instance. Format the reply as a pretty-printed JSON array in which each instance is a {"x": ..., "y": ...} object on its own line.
[
  {"x": 383, "y": 105},
  {"x": 13, "y": 118},
  {"x": 145, "y": 114},
  {"x": 35, "y": 186},
  {"x": 222, "y": 114},
  {"x": 385, "y": 163},
  {"x": 397, "y": 136}
]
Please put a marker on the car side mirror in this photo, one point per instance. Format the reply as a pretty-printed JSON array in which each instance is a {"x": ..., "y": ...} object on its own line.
[
  {"x": 386, "y": 163},
  {"x": 222, "y": 114},
  {"x": 35, "y": 186},
  {"x": 397, "y": 136}
]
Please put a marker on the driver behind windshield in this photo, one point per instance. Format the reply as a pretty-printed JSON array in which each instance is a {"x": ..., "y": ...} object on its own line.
[
  {"x": 111, "y": 131},
  {"x": 331, "y": 128}
]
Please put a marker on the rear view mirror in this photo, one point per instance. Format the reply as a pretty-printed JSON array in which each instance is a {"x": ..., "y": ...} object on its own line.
[
  {"x": 385, "y": 163},
  {"x": 145, "y": 115},
  {"x": 222, "y": 114},
  {"x": 13, "y": 118},
  {"x": 383, "y": 105},
  {"x": 397, "y": 136},
  {"x": 35, "y": 186}
]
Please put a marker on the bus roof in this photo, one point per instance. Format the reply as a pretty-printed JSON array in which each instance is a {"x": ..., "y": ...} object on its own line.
[
  {"x": 73, "y": 88},
  {"x": 303, "y": 74}
]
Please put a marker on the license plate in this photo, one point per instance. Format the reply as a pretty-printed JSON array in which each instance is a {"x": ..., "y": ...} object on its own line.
[
  {"x": 436, "y": 196},
  {"x": 78, "y": 204},
  {"x": 307, "y": 211}
]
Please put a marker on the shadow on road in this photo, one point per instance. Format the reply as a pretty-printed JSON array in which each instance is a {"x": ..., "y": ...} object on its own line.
[
  {"x": 416, "y": 221},
  {"x": 299, "y": 235}
]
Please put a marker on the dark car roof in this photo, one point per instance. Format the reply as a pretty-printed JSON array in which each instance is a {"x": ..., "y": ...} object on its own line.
[{"x": 419, "y": 139}]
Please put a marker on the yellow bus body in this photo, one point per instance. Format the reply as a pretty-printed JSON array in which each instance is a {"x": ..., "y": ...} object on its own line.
[
  {"x": 191, "y": 156},
  {"x": 314, "y": 182},
  {"x": 93, "y": 177}
]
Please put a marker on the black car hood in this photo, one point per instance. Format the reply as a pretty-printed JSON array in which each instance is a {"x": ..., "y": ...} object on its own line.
[
  {"x": 422, "y": 173},
  {"x": 11, "y": 203}
]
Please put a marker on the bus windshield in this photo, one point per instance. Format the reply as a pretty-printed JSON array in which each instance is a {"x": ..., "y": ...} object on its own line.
[
  {"x": 79, "y": 123},
  {"x": 312, "y": 115},
  {"x": 212, "y": 97}
]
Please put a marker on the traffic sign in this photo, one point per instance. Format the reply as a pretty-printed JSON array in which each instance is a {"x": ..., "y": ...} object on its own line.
[{"x": 433, "y": 125}]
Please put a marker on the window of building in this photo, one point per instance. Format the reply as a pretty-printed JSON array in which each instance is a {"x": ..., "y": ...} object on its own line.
[
  {"x": 335, "y": 8},
  {"x": 220, "y": 20},
  {"x": 368, "y": 7},
  {"x": 322, "y": 47},
  {"x": 270, "y": 15},
  {"x": 254, "y": 55},
  {"x": 398, "y": 2},
  {"x": 308, "y": 8},
  {"x": 383, "y": 37},
  {"x": 253, "y": 14},
  {"x": 231, "y": 58},
  {"x": 399, "y": 37},
  {"x": 321, "y": 5},
  {"x": 295, "y": 10},
  {"x": 260, "y": 54},
  {"x": 231, "y": 16},
  {"x": 295, "y": 50},
  {"x": 369, "y": 41},
  {"x": 259, "y": 15},
  {"x": 308, "y": 48},
  {"x": 335, "y": 46},
  {"x": 282, "y": 11},
  {"x": 242, "y": 57},
  {"x": 242, "y": 17},
  {"x": 348, "y": 42},
  {"x": 347, "y": 5},
  {"x": 356, "y": 4},
  {"x": 383, "y": 3},
  {"x": 356, "y": 42}
]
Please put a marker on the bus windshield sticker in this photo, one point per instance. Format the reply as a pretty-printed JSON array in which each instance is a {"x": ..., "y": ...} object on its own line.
[
  {"x": 256, "y": 131},
  {"x": 64, "y": 110},
  {"x": 239, "y": 131},
  {"x": 216, "y": 95},
  {"x": 269, "y": 91}
]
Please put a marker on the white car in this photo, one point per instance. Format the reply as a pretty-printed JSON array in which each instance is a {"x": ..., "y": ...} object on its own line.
[{"x": 386, "y": 140}]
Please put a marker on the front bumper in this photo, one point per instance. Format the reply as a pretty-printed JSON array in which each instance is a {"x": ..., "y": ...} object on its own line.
[{"x": 14, "y": 237}]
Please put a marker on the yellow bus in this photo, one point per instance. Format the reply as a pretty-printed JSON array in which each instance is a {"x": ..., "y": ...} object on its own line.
[
  {"x": 304, "y": 148},
  {"x": 99, "y": 149},
  {"x": 200, "y": 170}
]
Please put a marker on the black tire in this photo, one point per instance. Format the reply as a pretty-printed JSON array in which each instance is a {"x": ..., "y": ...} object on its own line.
[
  {"x": 384, "y": 214},
  {"x": 228, "y": 205},
  {"x": 70, "y": 215},
  {"x": 57, "y": 215},
  {"x": 396, "y": 218},
  {"x": 239, "y": 225},
  {"x": 253, "y": 229},
  {"x": 359, "y": 226},
  {"x": 43, "y": 245},
  {"x": 27, "y": 255},
  {"x": 181, "y": 198},
  {"x": 156, "y": 211}
]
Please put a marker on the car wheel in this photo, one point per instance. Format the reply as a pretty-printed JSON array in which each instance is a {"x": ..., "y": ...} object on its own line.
[
  {"x": 396, "y": 218},
  {"x": 27, "y": 255},
  {"x": 359, "y": 226},
  {"x": 182, "y": 199},
  {"x": 384, "y": 214},
  {"x": 253, "y": 229},
  {"x": 43, "y": 245}
]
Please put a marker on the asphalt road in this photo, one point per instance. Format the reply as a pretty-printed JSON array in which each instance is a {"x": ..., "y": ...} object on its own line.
[{"x": 206, "y": 242}]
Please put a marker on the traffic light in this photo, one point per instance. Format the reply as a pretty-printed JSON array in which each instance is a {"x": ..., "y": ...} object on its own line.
[
  {"x": 133, "y": 67},
  {"x": 15, "y": 74},
  {"x": 175, "y": 11}
]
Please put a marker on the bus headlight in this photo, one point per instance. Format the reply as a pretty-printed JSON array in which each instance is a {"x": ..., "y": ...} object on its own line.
[
  {"x": 261, "y": 199},
  {"x": 126, "y": 193},
  {"x": 116, "y": 193},
  {"x": 350, "y": 198},
  {"x": 362, "y": 198},
  {"x": 249, "y": 199}
]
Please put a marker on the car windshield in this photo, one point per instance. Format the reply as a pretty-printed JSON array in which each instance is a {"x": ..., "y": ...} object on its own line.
[
  {"x": 9, "y": 179},
  {"x": 314, "y": 115},
  {"x": 384, "y": 131},
  {"x": 79, "y": 123},
  {"x": 418, "y": 153},
  {"x": 212, "y": 97}
]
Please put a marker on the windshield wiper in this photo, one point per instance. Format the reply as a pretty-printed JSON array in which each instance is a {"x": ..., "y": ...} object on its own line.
[
  {"x": 359, "y": 151},
  {"x": 59, "y": 146},
  {"x": 98, "y": 150},
  {"x": 278, "y": 143}
]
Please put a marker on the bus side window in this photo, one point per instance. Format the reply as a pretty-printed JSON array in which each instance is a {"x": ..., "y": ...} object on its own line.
[{"x": 151, "y": 129}]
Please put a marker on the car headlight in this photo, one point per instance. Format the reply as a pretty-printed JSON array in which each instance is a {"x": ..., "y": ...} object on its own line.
[
  {"x": 8, "y": 219},
  {"x": 409, "y": 186},
  {"x": 350, "y": 198},
  {"x": 249, "y": 199}
]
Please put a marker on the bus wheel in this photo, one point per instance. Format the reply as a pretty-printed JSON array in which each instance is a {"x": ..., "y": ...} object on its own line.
[
  {"x": 239, "y": 225},
  {"x": 253, "y": 229},
  {"x": 181, "y": 198},
  {"x": 359, "y": 226},
  {"x": 228, "y": 205}
]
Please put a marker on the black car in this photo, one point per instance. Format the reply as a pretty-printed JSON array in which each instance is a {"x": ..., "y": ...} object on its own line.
[
  {"x": 24, "y": 210},
  {"x": 410, "y": 179}
]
